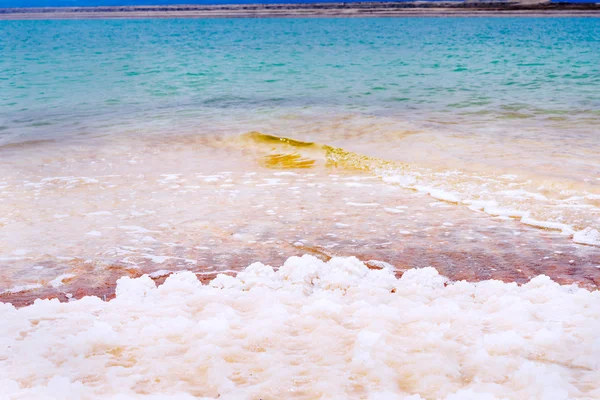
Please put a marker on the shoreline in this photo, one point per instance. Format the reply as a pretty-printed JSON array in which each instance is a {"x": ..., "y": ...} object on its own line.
[{"x": 335, "y": 10}]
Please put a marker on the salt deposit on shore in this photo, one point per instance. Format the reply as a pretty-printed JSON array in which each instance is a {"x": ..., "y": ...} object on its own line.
[{"x": 311, "y": 329}]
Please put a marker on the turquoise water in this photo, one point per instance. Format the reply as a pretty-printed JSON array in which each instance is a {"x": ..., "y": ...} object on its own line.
[{"x": 74, "y": 77}]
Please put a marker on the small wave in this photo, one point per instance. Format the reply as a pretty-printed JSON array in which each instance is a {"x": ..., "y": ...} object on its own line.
[
  {"x": 25, "y": 143},
  {"x": 293, "y": 160},
  {"x": 574, "y": 214},
  {"x": 272, "y": 139}
]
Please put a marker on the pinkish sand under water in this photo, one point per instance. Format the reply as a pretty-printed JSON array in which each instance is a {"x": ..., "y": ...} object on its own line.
[
  {"x": 209, "y": 204},
  {"x": 185, "y": 209}
]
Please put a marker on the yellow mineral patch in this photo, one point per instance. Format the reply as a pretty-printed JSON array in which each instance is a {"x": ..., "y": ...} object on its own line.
[
  {"x": 306, "y": 152},
  {"x": 340, "y": 158},
  {"x": 287, "y": 161},
  {"x": 272, "y": 139}
]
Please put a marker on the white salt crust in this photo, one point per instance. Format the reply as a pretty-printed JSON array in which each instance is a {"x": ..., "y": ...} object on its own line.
[{"x": 335, "y": 330}]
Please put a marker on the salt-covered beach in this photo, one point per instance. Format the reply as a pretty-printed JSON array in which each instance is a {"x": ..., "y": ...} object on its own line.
[{"x": 308, "y": 330}]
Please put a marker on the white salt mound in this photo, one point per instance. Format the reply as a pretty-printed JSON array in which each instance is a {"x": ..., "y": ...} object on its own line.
[
  {"x": 587, "y": 236},
  {"x": 335, "y": 330}
]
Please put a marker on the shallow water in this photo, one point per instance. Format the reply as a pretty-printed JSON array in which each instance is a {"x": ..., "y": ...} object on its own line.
[
  {"x": 119, "y": 205},
  {"x": 125, "y": 147}
]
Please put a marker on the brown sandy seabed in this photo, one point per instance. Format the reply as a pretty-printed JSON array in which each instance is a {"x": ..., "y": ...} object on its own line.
[{"x": 293, "y": 205}]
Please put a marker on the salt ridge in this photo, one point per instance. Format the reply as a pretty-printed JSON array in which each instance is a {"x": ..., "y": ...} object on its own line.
[{"x": 310, "y": 329}]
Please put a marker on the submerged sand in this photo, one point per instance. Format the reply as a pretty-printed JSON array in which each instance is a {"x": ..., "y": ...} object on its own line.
[{"x": 214, "y": 205}]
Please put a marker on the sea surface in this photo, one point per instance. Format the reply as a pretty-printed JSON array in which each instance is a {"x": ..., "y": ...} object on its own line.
[
  {"x": 467, "y": 144},
  {"x": 164, "y": 143},
  {"x": 457, "y": 158}
]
